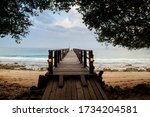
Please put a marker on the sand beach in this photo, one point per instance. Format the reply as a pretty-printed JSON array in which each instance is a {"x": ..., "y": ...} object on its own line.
[{"x": 16, "y": 83}]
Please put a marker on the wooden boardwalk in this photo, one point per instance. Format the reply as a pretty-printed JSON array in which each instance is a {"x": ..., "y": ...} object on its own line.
[
  {"x": 71, "y": 81},
  {"x": 70, "y": 65}
]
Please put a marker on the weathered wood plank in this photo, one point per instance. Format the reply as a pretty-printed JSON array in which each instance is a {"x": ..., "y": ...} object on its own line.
[
  {"x": 101, "y": 90},
  {"x": 53, "y": 91},
  {"x": 86, "y": 93},
  {"x": 58, "y": 93},
  {"x": 96, "y": 91},
  {"x": 68, "y": 89},
  {"x": 71, "y": 73},
  {"x": 48, "y": 90},
  {"x": 80, "y": 94},
  {"x": 91, "y": 91},
  {"x": 62, "y": 96},
  {"x": 83, "y": 81},
  {"x": 74, "y": 90},
  {"x": 61, "y": 81}
]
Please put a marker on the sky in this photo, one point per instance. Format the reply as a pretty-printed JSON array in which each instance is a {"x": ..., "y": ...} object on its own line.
[{"x": 59, "y": 30}]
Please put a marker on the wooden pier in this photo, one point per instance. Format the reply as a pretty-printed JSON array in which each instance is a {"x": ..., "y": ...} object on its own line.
[{"x": 71, "y": 76}]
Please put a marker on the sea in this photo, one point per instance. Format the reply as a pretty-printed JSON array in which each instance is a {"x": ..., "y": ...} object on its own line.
[{"x": 104, "y": 58}]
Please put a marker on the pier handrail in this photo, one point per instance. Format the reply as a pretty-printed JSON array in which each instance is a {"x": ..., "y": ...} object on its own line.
[
  {"x": 54, "y": 57},
  {"x": 84, "y": 55}
]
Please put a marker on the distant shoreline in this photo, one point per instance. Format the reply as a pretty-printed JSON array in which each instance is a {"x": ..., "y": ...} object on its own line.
[
  {"x": 17, "y": 66},
  {"x": 126, "y": 68}
]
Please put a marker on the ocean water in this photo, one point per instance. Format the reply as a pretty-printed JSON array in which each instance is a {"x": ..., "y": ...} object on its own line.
[
  {"x": 105, "y": 58},
  {"x": 30, "y": 57},
  {"x": 121, "y": 58}
]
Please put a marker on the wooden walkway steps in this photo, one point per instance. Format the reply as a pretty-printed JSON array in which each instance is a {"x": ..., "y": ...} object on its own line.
[
  {"x": 73, "y": 88},
  {"x": 71, "y": 80}
]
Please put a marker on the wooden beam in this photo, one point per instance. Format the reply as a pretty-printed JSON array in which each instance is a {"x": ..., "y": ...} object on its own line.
[{"x": 102, "y": 91}]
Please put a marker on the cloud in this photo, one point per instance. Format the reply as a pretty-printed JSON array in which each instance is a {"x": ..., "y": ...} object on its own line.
[
  {"x": 69, "y": 23},
  {"x": 47, "y": 20},
  {"x": 72, "y": 19},
  {"x": 58, "y": 31}
]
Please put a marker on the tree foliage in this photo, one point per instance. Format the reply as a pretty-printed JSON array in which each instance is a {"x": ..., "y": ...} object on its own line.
[
  {"x": 15, "y": 14},
  {"x": 120, "y": 22}
]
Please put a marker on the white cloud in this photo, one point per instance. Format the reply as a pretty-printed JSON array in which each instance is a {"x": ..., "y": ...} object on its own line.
[
  {"x": 73, "y": 19},
  {"x": 68, "y": 23},
  {"x": 48, "y": 21}
]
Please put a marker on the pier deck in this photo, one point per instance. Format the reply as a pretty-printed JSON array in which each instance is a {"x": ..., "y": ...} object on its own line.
[{"x": 70, "y": 80}]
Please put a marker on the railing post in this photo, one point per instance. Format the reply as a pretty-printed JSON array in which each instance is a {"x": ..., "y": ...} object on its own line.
[
  {"x": 55, "y": 58},
  {"x": 62, "y": 54},
  {"x": 91, "y": 61},
  {"x": 50, "y": 62},
  {"x": 59, "y": 55},
  {"x": 81, "y": 56},
  {"x": 85, "y": 56}
]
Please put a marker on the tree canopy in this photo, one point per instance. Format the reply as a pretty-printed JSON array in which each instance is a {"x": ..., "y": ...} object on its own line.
[
  {"x": 15, "y": 14},
  {"x": 120, "y": 22}
]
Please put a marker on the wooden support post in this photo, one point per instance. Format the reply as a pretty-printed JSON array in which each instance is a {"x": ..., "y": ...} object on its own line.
[
  {"x": 55, "y": 58},
  {"x": 62, "y": 54},
  {"x": 50, "y": 62},
  {"x": 42, "y": 82},
  {"x": 85, "y": 56},
  {"x": 91, "y": 61},
  {"x": 59, "y": 56},
  {"x": 81, "y": 56}
]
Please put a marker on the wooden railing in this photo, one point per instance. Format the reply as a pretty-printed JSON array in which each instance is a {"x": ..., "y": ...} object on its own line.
[
  {"x": 54, "y": 57},
  {"x": 85, "y": 57}
]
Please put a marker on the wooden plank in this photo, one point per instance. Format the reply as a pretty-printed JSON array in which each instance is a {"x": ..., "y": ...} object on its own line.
[
  {"x": 101, "y": 90},
  {"x": 68, "y": 89},
  {"x": 91, "y": 91},
  {"x": 80, "y": 94},
  {"x": 83, "y": 81},
  {"x": 58, "y": 93},
  {"x": 86, "y": 93},
  {"x": 96, "y": 91},
  {"x": 54, "y": 88},
  {"x": 71, "y": 73},
  {"x": 61, "y": 81},
  {"x": 70, "y": 69},
  {"x": 63, "y": 91},
  {"x": 74, "y": 90},
  {"x": 70, "y": 65},
  {"x": 47, "y": 90}
]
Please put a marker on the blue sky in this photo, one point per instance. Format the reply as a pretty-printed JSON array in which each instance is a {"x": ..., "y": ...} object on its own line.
[{"x": 56, "y": 31}]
